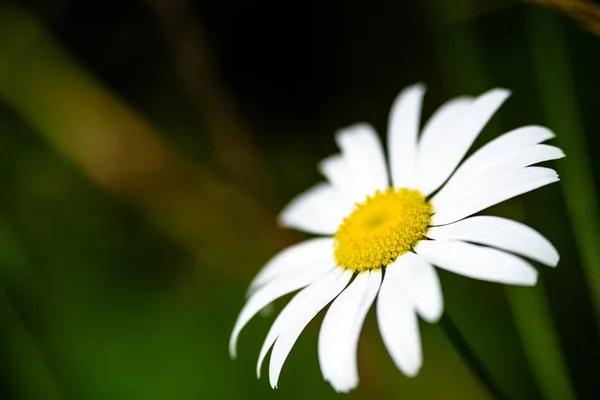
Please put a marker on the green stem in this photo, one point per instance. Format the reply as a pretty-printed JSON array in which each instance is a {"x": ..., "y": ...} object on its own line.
[
  {"x": 534, "y": 323},
  {"x": 463, "y": 348},
  {"x": 559, "y": 101}
]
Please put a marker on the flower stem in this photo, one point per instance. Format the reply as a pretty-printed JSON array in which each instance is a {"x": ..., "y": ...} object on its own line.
[{"x": 467, "y": 353}]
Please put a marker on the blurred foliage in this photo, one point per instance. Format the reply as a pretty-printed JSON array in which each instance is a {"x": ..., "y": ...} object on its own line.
[
  {"x": 585, "y": 11},
  {"x": 146, "y": 148}
]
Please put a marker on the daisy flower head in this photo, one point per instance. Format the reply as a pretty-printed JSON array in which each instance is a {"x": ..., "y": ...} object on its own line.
[{"x": 387, "y": 227}]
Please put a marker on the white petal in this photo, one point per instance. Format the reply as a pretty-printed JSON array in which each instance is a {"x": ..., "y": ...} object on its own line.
[
  {"x": 527, "y": 156},
  {"x": 269, "y": 293},
  {"x": 441, "y": 156},
  {"x": 318, "y": 210},
  {"x": 488, "y": 191},
  {"x": 497, "y": 149},
  {"x": 403, "y": 129},
  {"x": 439, "y": 128},
  {"x": 290, "y": 312},
  {"x": 422, "y": 284},
  {"x": 398, "y": 323},
  {"x": 336, "y": 170},
  {"x": 312, "y": 253},
  {"x": 286, "y": 340},
  {"x": 363, "y": 155},
  {"x": 501, "y": 233},
  {"x": 477, "y": 262},
  {"x": 338, "y": 338},
  {"x": 516, "y": 160}
]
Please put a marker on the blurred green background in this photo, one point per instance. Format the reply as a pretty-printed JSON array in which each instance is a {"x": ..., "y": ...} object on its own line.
[{"x": 147, "y": 147}]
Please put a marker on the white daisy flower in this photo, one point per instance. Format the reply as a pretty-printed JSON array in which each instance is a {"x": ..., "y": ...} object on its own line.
[{"x": 385, "y": 233}]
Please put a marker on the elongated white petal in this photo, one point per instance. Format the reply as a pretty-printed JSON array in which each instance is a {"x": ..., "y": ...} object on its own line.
[
  {"x": 477, "y": 262},
  {"x": 502, "y": 233},
  {"x": 422, "y": 283},
  {"x": 339, "y": 175},
  {"x": 398, "y": 323},
  {"x": 312, "y": 253},
  {"x": 267, "y": 294},
  {"x": 440, "y": 128},
  {"x": 528, "y": 156},
  {"x": 443, "y": 119},
  {"x": 338, "y": 338},
  {"x": 289, "y": 314},
  {"x": 516, "y": 160},
  {"x": 441, "y": 157},
  {"x": 318, "y": 210},
  {"x": 497, "y": 180},
  {"x": 497, "y": 149},
  {"x": 403, "y": 130},
  {"x": 286, "y": 339},
  {"x": 488, "y": 191},
  {"x": 363, "y": 154}
]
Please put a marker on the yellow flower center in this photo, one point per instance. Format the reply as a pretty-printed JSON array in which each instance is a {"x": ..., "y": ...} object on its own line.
[{"x": 385, "y": 226}]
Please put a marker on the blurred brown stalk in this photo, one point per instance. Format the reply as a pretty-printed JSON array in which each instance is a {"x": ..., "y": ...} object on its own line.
[
  {"x": 221, "y": 225},
  {"x": 584, "y": 11},
  {"x": 197, "y": 70}
]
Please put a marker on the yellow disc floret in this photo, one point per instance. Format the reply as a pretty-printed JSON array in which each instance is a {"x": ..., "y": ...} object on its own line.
[{"x": 382, "y": 228}]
